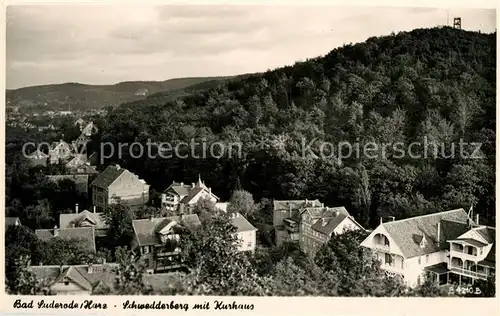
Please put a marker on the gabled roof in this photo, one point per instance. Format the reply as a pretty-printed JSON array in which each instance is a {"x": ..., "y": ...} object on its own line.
[
  {"x": 108, "y": 176},
  {"x": 146, "y": 230},
  {"x": 330, "y": 218},
  {"x": 241, "y": 223},
  {"x": 38, "y": 154},
  {"x": 89, "y": 129},
  {"x": 188, "y": 191},
  {"x": 78, "y": 274},
  {"x": 66, "y": 220},
  {"x": 402, "y": 231},
  {"x": 85, "y": 234},
  {"x": 77, "y": 161},
  {"x": 488, "y": 233}
]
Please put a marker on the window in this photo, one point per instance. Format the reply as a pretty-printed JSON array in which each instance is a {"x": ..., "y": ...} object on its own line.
[
  {"x": 419, "y": 260},
  {"x": 402, "y": 263},
  {"x": 427, "y": 259},
  {"x": 249, "y": 244},
  {"x": 388, "y": 259},
  {"x": 386, "y": 241}
]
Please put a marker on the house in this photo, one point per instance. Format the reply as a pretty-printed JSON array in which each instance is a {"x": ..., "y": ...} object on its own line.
[
  {"x": 180, "y": 197},
  {"x": 116, "y": 184},
  {"x": 85, "y": 219},
  {"x": 80, "y": 123},
  {"x": 286, "y": 218},
  {"x": 84, "y": 279},
  {"x": 318, "y": 224},
  {"x": 85, "y": 169},
  {"x": 81, "y": 181},
  {"x": 12, "y": 221},
  {"x": 75, "y": 279},
  {"x": 156, "y": 240},
  {"x": 448, "y": 245},
  {"x": 245, "y": 232},
  {"x": 81, "y": 141},
  {"x": 90, "y": 129},
  {"x": 60, "y": 151},
  {"x": 142, "y": 92},
  {"x": 85, "y": 234},
  {"x": 37, "y": 158}
]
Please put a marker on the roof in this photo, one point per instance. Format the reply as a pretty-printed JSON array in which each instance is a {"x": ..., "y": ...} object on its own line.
[
  {"x": 77, "y": 161},
  {"x": 241, "y": 223},
  {"x": 66, "y": 220},
  {"x": 108, "y": 176},
  {"x": 188, "y": 191},
  {"x": 83, "y": 169},
  {"x": 453, "y": 224},
  {"x": 331, "y": 217},
  {"x": 78, "y": 274},
  {"x": 86, "y": 234},
  {"x": 146, "y": 230},
  {"x": 38, "y": 154},
  {"x": 487, "y": 232},
  {"x": 81, "y": 180},
  {"x": 89, "y": 129},
  {"x": 438, "y": 268}
]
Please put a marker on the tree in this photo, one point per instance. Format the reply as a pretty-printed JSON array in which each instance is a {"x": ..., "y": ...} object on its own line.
[
  {"x": 242, "y": 201},
  {"x": 211, "y": 253},
  {"x": 119, "y": 218},
  {"x": 130, "y": 273},
  {"x": 358, "y": 271},
  {"x": 291, "y": 279},
  {"x": 23, "y": 282},
  {"x": 429, "y": 288},
  {"x": 205, "y": 209},
  {"x": 58, "y": 251}
]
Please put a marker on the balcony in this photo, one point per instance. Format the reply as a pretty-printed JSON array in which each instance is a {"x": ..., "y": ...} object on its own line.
[
  {"x": 391, "y": 268},
  {"x": 469, "y": 273}
]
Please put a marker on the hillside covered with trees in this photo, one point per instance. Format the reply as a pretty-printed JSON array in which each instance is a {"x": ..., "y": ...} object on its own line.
[{"x": 425, "y": 86}]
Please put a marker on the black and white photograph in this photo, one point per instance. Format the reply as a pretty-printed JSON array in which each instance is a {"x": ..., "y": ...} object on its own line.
[{"x": 249, "y": 151}]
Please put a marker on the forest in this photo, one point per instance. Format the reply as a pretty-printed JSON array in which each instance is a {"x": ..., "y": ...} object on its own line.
[{"x": 436, "y": 84}]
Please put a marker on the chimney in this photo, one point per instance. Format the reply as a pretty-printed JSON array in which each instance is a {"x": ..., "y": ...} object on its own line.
[
  {"x": 306, "y": 202},
  {"x": 76, "y": 208},
  {"x": 118, "y": 167},
  {"x": 192, "y": 185},
  {"x": 89, "y": 268},
  {"x": 439, "y": 233},
  {"x": 210, "y": 190},
  {"x": 182, "y": 184},
  {"x": 392, "y": 218},
  {"x": 477, "y": 219},
  {"x": 56, "y": 231},
  {"x": 94, "y": 208},
  {"x": 381, "y": 220},
  {"x": 60, "y": 269},
  {"x": 337, "y": 213}
]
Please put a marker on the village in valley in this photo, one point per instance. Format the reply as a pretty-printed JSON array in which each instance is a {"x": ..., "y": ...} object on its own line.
[{"x": 450, "y": 247}]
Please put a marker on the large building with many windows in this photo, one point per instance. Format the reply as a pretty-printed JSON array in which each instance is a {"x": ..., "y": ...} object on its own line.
[
  {"x": 448, "y": 246},
  {"x": 318, "y": 224}
]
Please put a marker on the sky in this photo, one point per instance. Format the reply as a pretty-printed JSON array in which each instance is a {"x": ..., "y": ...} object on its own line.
[{"x": 106, "y": 44}]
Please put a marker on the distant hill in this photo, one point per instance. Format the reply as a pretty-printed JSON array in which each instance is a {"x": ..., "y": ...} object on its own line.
[{"x": 81, "y": 96}]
